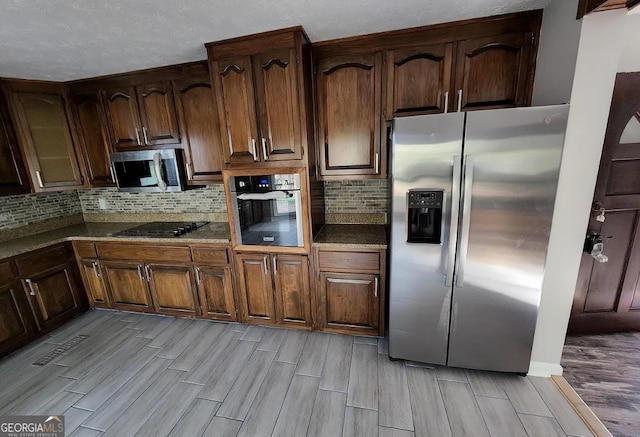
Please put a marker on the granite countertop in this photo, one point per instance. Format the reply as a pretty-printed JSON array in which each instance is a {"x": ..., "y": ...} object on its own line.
[
  {"x": 352, "y": 236},
  {"x": 215, "y": 232}
]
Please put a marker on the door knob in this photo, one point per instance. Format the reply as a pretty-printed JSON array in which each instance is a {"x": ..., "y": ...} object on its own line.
[{"x": 593, "y": 246}]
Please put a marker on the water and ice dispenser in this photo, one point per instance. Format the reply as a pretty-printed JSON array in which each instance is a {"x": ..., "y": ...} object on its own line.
[{"x": 424, "y": 216}]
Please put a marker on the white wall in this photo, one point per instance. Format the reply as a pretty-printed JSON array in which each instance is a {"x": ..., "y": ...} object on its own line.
[
  {"x": 598, "y": 55},
  {"x": 557, "y": 53},
  {"x": 630, "y": 58}
]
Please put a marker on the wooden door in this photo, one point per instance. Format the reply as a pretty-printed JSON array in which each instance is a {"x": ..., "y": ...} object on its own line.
[
  {"x": 200, "y": 128},
  {"x": 216, "y": 293},
  {"x": 419, "y": 81},
  {"x": 54, "y": 295},
  {"x": 17, "y": 325},
  {"x": 276, "y": 75},
  {"x": 349, "y": 99},
  {"x": 123, "y": 117},
  {"x": 48, "y": 146},
  {"x": 127, "y": 284},
  {"x": 293, "y": 301},
  {"x": 173, "y": 289},
  {"x": 158, "y": 114},
  {"x": 94, "y": 284},
  {"x": 92, "y": 132},
  {"x": 349, "y": 302},
  {"x": 255, "y": 288},
  {"x": 607, "y": 297},
  {"x": 13, "y": 175},
  {"x": 233, "y": 84},
  {"x": 494, "y": 72}
]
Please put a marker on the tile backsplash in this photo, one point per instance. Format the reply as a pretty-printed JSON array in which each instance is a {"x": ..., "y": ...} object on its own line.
[
  {"x": 357, "y": 197},
  {"x": 209, "y": 199},
  {"x": 27, "y": 209},
  {"x": 342, "y": 198}
]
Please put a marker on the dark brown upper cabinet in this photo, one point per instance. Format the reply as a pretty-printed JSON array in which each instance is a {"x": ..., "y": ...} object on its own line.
[
  {"x": 93, "y": 137},
  {"x": 418, "y": 80},
  {"x": 13, "y": 175},
  {"x": 263, "y": 94},
  {"x": 349, "y": 100},
  {"x": 40, "y": 113},
  {"x": 142, "y": 116},
  {"x": 494, "y": 72},
  {"x": 198, "y": 118}
]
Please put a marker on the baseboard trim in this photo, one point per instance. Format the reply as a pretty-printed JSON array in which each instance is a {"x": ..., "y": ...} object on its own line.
[
  {"x": 544, "y": 370},
  {"x": 585, "y": 413}
]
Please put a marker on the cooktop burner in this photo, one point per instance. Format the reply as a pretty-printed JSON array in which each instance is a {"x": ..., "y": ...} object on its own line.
[{"x": 161, "y": 229}]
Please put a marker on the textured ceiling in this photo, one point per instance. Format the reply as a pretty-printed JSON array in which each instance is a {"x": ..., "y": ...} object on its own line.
[{"x": 73, "y": 39}]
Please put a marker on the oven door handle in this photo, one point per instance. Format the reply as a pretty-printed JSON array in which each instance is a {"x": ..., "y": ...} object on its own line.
[{"x": 157, "y": 163}]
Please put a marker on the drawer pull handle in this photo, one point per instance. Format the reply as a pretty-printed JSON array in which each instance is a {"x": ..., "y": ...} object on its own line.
[
  {"x": 30, "y": 284},
  {"x": 95, "y": 269}
]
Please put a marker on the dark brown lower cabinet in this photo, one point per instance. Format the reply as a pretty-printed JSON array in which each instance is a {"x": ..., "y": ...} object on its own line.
[
  {"x": 17, "y": 325},
  {"x": 173, "y": 289},
  {"x": 274, "y": 289},
  {"x": 215, "y": 289},
  {"x": 351, "y": 291},
  {"x": 94, "y": 284},
  {"x": 349, "y": 301},
  {"x": 128, "y": 285}
]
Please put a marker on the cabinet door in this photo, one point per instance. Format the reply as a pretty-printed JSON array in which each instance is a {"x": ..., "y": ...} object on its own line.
[
  {"x": 233, "y": 83},
  {"x": 91, "y": 122},
  {"x": 124, "y": 121},
  {"x": 278, "y": 102},
  {"x": 173, "y": 289},
  {"x": 128, "y": 285},
  {"x": 158, "y": 114},
  {"x": 216, "y": 293},
  {"x": 47, "y": 140},
  {"x": 419, "y": 81},
  {"x": 494, "y": 72},
  {"x": 54, "y": 295},
  {"x": 349, "y": 111},
  {"x": 94, "y": 283},
  {"x": 349, "y": 302},
  {"x": 13, "y": 175},
  {"x": 200, "y": 129},
  {"x": 255, "y": 288},
  {"x": 293, "y": 301},
  {"x": 17, "y": 326}
]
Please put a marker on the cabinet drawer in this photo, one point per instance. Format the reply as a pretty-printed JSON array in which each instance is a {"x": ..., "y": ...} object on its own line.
[
  {"x": 210, "y": 255},
  {"x": 41, "y": 260},
  {"x": 143, "y": 253},
  {"x": 6, "y": 274},
  {"x": 349, "y": 260},
  {"x": 85, "y": 249}
]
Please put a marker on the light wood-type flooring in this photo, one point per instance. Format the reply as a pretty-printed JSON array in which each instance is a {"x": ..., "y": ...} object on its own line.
[
  {"x": 148, "y": 375},
  {"x": 605, "y": 371}
]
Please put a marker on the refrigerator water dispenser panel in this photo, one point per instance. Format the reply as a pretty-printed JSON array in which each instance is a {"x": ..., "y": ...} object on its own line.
[{"x": 424, "y": 216}]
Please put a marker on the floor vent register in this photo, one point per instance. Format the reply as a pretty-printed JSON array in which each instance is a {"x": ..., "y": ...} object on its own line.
[{"x": 59, "y": 350}]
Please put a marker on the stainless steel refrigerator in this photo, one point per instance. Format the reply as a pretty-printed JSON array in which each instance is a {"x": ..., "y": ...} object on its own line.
[{"x": 473, "y": 197}]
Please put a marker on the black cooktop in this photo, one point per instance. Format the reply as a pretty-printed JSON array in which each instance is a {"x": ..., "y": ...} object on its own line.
[{"x": 161, "y": 229}]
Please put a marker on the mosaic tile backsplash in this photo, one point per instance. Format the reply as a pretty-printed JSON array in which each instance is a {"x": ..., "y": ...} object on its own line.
[
  {"x": 207, "y": 199},
  {"x": 26, "y": 209},
  {"x": 357, "y": 197}
]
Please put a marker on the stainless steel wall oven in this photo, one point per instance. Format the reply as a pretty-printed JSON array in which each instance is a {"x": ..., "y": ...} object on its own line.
[{"x": 267, "y": 210}]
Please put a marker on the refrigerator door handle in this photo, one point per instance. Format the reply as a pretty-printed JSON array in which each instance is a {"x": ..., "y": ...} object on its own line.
[
  {"x": 455, "y": 214},
  {"x": 461, "y": 259}
]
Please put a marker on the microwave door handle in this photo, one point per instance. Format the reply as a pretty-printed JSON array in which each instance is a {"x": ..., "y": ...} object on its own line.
[{"x": 157, "y": 162}]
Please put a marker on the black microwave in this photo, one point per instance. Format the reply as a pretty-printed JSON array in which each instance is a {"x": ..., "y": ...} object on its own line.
[{"x": 148, "y": 171}]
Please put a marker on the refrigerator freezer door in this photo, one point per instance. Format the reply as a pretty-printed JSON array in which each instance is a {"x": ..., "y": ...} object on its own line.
[
  {"x": 513, "y": 156},
  {"x": 424, "y": 149}
]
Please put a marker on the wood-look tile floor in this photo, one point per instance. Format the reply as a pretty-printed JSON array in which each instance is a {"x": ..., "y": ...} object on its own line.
[
  {"x": 605, "y": 371},
  {"x": 148, "y": 375}
]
